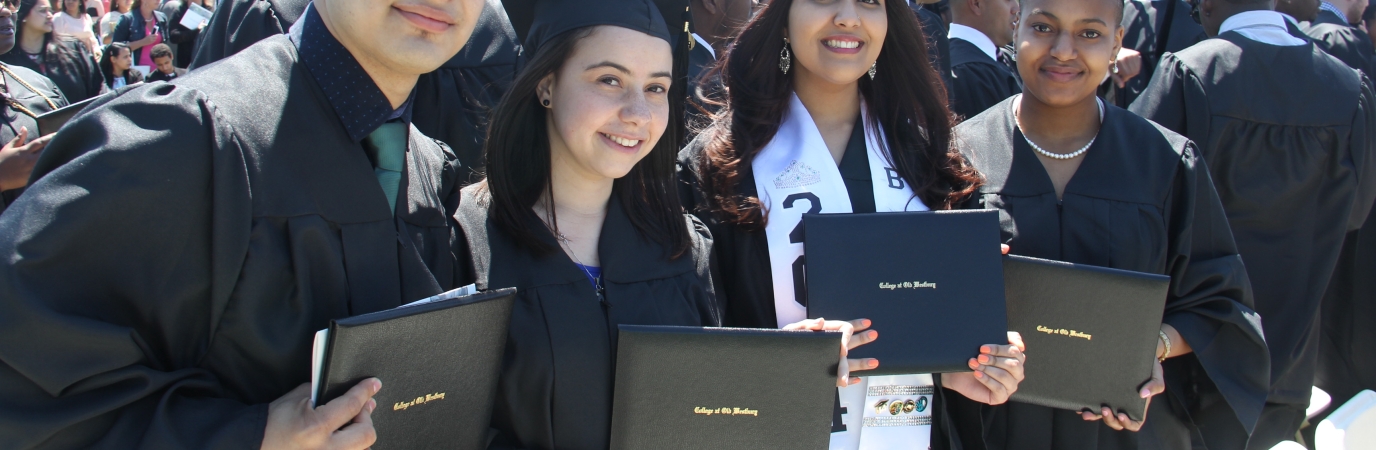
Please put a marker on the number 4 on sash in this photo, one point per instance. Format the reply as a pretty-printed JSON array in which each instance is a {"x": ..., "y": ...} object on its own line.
[{"x": 796, "y": 237}]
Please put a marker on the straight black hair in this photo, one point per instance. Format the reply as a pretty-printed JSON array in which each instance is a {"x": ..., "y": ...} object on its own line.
[{"x": 518, "y": 165}]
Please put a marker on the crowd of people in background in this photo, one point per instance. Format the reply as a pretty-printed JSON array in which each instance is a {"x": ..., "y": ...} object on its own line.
[{"x": 1229, "y": 144}]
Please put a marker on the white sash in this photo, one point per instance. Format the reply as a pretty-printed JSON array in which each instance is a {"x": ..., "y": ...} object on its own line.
[{"x": 796, "y": 175}]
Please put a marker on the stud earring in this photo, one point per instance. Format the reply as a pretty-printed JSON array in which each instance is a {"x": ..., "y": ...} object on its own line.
[
  {"x": 785, "y": 58},
  {"x": 545, "y": 102},
  {"x": 872, "y": 71}
]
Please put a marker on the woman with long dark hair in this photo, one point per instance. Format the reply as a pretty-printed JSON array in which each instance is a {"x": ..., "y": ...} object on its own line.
[
  {"x": 64, "y": 60},
  {"x": 834, "y": 104},
  {"x": 1082, "y": 181},
  {"x": 116, "y": 65},
  {"x": 143, "y": 26},
  {"x": 579, "y": 212}
]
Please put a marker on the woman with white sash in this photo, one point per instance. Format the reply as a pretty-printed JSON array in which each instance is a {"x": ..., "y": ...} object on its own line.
[{"x": 832, "y": 107}]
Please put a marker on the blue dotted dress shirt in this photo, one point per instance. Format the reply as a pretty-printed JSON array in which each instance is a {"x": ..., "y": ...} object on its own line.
[{"x": 356, "y": 99}]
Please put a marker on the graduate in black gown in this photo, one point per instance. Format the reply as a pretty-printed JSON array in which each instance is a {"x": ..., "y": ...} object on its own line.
[
  {"x": 183, "y": 242},
  {"x": 816, "y": 126},
  {"x": 1332, "y": 30},
  {"x": 934, "y": 30},
  {"x": 979, "y": 29},
  {"x": 1079, "y": 180},
  {"x": 27, "y": 94},
  {"x": 1287, "y": 131},
  {"x": 451, "y": 103},
  {"x": 1154, "y": 28},
  {"x": 580, "y": 213}
]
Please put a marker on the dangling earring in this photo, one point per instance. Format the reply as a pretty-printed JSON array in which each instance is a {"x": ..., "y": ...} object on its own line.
[
  {"x": 785, "y": 58},
  {"x": 1115, "y": 66},
  {"x": 872, "y": 69}
]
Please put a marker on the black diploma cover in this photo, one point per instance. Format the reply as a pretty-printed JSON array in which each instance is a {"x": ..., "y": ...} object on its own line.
[
  {"x": 51, "y": 121},
  {"x": 438, "y": 363},
  {"x": 723, "y": 388},
  {"x": 930, "y": 282},
  {"x": 1090, "y": 331}
]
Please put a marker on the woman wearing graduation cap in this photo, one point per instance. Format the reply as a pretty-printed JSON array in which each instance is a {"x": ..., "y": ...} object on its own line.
[
  {"x": 579, "y": 212},
  {"x": 833, "y": 102},
  {"x": 1081, "y": 181}
]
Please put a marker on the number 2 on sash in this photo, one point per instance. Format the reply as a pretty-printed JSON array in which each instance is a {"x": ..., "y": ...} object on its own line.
[{"x": 796, "y": 237}]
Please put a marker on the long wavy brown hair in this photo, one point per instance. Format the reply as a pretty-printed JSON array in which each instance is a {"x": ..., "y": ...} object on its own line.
[{"x": 907, "y": 98}]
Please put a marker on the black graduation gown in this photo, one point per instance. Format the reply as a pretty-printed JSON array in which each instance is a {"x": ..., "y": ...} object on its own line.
[
  {"x": 1141, "y": 200},
  {"x": 11, "y": 120},
  {"x": 76, "y": 74},
  {"x": 1148, "y": 30},
  {"x": 1345, "y": 42},
  {"x": 745, "y": 286},
  {"x": 558, "y": 369},
  {"x": 938, "y": 46},
  {"x": 979, "y": 81},
  {"x": 1293, "y": 169},
  {"x": 163, "y": 287},
  {"x": 451, "y": 104}
]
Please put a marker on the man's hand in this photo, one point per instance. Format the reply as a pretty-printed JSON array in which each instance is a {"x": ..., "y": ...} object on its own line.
[
  {"x": 1129, "y": 65},
  {"x": 343, "y": 423},
  {"x": 17, "y": 159}
]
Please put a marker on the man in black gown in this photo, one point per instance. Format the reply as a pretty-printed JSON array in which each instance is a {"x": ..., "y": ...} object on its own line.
[
  {"x": 1286, "y": 131},
  {"x": 1153, "y": 28},
  {"x": 1332, "y": 31},
  {"x": 182, "y": 242},
  {"x": 978, "y": 29},
  {"x": 451, "y": 103},
  {"x": 938, "y": 44}
]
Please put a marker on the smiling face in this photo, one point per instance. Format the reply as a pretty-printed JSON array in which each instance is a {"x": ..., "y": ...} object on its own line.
[
  {"x": 39, "y": 20},
  {"x": 406, "y": 36},
  {"x": 6, "y": 30},
  {"x": 1065, "y": 48},
  {"x": 609, "y": 103},
  {"x": 836, "y": 41}
]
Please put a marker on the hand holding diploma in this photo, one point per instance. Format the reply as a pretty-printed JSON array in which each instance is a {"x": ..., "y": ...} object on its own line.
[
  {"x": 854, "y": 334},
  {"x": 343, "y": 423},
  {"x": 997, "y": 371}
]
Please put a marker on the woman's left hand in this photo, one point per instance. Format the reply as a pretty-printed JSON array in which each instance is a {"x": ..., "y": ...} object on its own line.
[
  {"x": 997, "y": 371},
  {"x": 1120, "y": 421},
  {"x": 853, "y": 334}
]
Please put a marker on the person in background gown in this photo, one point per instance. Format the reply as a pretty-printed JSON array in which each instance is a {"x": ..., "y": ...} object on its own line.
[
  {"x": 1154, "y": 28},
  {"x": 27, "y": 94},
  {"x": 851, "y": 81},
  {"x": 1332, "y": 30},
  {"x": 219, "y": 225},
  {"x": 1293, "y": 168},
  {"x": 1076, "y": 179},
  {"x": 978, "y": 29},
  {"x": 580, "y": 213}
]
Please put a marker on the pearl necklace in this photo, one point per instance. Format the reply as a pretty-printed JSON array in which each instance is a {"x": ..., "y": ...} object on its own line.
[{"x": 1061, "y": 156}]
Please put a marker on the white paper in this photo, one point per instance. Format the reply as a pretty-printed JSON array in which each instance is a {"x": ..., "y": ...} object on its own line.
[
  {"x": 143, "y": 70},
  {"x": 317, "y": 361},
  {"x": 196, "y": 17}
]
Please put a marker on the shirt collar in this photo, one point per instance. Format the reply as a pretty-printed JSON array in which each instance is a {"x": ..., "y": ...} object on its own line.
[
  {"x": 704, "y": 44},
  {"x": 357, "y": 101},
  {"x": 1267, "y": 27},
  {"x": 1334, "y": 9},
  {"x": 976, "y": 37}
]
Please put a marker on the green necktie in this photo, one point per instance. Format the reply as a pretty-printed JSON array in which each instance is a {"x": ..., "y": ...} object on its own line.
[{"x": 387, "y": 148}]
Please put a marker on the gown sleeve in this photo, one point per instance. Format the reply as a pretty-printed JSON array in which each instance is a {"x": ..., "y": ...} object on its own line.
[
  {"x": 1174, "y": 99},
  {"x": 1363, "y": 148},
  {"x": 1210, "y": 304},
  {"x": 119, "y": 264}
]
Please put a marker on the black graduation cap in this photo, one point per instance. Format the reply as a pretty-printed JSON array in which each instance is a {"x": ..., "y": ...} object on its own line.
[{"x": 538, "y": 21}]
